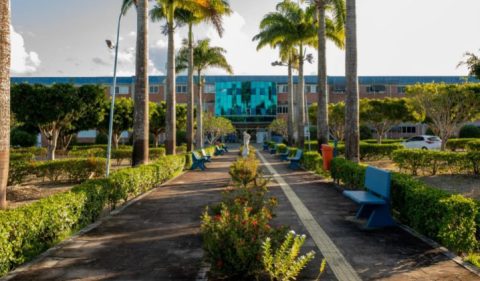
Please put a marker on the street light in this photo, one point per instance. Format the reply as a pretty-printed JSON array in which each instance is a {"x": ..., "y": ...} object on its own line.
[{"x": 111, "y": 46}]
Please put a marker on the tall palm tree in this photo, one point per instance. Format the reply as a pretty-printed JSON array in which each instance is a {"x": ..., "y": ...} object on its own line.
[
  {"x": 352, "y": 127},
  {"x": 337, "y": 9},
  {"x": 204, "y": 57},
  {"x": 4, "y": 99},
  {"x": 141, "y": 99}
]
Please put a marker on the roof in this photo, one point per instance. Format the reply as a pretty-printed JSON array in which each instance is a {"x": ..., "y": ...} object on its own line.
[{"x": 365, "y": 80}]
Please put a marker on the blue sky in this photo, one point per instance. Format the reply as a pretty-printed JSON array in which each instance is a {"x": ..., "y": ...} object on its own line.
[{"x": 396, "y": 37}]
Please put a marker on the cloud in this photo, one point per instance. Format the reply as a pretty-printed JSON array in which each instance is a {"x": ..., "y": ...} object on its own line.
[{"x": 23, "y": 61}]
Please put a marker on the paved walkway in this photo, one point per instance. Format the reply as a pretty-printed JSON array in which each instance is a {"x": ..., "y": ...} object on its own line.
[
  {"x": 388, "y": 254},
  {"x": 156, "y": 238}
]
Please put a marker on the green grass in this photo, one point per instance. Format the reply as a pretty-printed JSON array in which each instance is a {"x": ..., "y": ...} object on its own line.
[{"x": 474, "y": 259}]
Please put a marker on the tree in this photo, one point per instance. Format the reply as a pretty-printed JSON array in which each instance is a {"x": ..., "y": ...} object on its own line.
[
  {"x": 337, "y": 9},
  {"x": 216, "y": 127},
  {"x": 472, "y": 61},
  {"x": 352, "y": 125},
  {"x": 158, "y": 117},
  {"x": 51, "y": 109},
  {"x": 4, "y": 99},
  {"x": 383, "y": 114},
  {"x": 336, "y": 119},
  {"x": 279, "y": 126},
  {"x": 445, "y": 107},
  {"x": 122, "y": 119},
  {"x": 204, "y": 57}
]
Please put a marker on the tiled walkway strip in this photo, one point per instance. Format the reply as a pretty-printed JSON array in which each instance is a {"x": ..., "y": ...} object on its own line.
[{"x": 337, "y": 262}]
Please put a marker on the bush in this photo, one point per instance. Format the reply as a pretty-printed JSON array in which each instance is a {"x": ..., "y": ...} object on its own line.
[
  {"x": 456, "y": 144},
  {"x": 29, "y": 230},
  {"x": 101, "y": 138},
  {"x": 377, "y": 151},
  {"x": 365, "y": 132},
  {"x": 384, "y": 141},
  {"x": 281, "y": 148},
  {"x": 121, "y": 154},
  {"x": 22, "y": 138},
  {"x": 469, "y": 131},
  {"x": 156, "y": 153},
  {"x": 88, "y": 152},
  {"x": 450, "y": 219},
  {"x": 18, "y": 170},
  {"x": 75, "y": 170},
  {"x": 312, "y": 161},
  {"x": 473, "y": 146},
  {"x": 37, "y": 151}
]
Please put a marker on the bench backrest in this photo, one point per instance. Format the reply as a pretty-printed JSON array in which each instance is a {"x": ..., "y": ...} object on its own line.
[
  {"x": 378, "y": 181},
  {"x": 195, "y": 155},
  {"x": 299, "y": 153}
]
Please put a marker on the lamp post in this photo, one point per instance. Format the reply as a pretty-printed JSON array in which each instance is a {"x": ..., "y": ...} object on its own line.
[{"x": 110, "y": 45}]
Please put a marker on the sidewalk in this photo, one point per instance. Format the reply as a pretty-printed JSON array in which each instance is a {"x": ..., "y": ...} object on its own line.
[
  {"x": 156, "y": 238},
  {"x": 388, "y": 254}
]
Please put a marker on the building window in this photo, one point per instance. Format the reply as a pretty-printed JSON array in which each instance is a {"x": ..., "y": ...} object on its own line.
[
  {"x": 154, "y": 89},
  {"x": 376, "y": 89},
  {"x": 282, "y": 108},
  {"x": 339, "y": 88},
  {"x": 122, "y": 90},
  {"x": 181, "y": 89},
  {"x": 209, "y": 89},
  {"x": 310, "y": 89},
  {"x": 409, "y": 129},
  {"x": 401, "y": 89},
  {"x": 282, "y": 88}
]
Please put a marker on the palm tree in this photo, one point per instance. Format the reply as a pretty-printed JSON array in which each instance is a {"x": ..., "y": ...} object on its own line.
[
  {"x": 4, "y": 99},
  {"x": 472, "y": 61},
  {"x": 141, "y": 99},
  {"x": 204, "y": 57},
  {"x": 352, "y": 127},
  {"x": 337, "y": 9},
  {"x": 210, "y": 11}
]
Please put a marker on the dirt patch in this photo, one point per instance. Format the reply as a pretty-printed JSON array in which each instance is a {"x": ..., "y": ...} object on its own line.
[{"x": 24, "y": 194}]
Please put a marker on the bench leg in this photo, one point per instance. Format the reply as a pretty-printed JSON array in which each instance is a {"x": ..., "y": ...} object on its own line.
[
  {"x": 194, "y": 166},
  {"x": 294, "y": 165},
  {"x": 202, "y": 166},
  {"x": 378, "y": 215}
]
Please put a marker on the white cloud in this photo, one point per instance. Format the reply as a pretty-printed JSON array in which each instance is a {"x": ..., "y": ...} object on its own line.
[{"x": 23, "y": 61}]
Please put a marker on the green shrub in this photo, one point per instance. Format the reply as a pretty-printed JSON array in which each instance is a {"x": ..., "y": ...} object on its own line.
[
  {"x": 37, "y": 151},
  {"x": 121, "y": 154},
  {"x": 101, "y": 138},
  {"x": 75, "y": 170},
  {"x": 469, "y": 131},
  {"x": 384, "y": 141},
  {"x": 473, "y": 162},
  {"x": 18, "y": 171},
  {"x": 22, "y": 156},
  {"x": 457, "y": 144},
  {"x": 473, "y": 145},
  {"x": 27, "y": 231},
  {"x": 244, "y": 171},
  {"x": 365, "y": 132},
  {"x": 312, "y": 161},
  {"x": 281, "y": 148},
  {"x": 87, "y": 152},
  {"x": 370, "y": 151},
  {"x": 450, "y": 219},
  {"x": 22, "y": 138},
  {"x": 156, "y": 153}
]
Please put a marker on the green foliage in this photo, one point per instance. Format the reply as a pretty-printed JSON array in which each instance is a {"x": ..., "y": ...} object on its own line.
[
  {"x": 474, "y": 258},
  {"x": 88, "y": 152},
  {"x": 101, "y": 138},
  {"x": 450, "y": 219},
  {"x": 473, "y": 145},
  {"x": 281, "y": 148},
  {"x": 75, "y": 170},
  {"x": 27, "y": 231},
  {"x": 365, "y": 132},
  {"x": 312, "y": 161},
  {"x": 469, "y": 131},
  {"x": 279, "y": 126},
  {"x": 156, "y": 153},
  {"x": 384, "y": 141},
  {"x": 284, "y": 264},
  {"x": 122, "y": 117},
  {"x": 244, "y": 171},
  {"x": 22, "y": 138},
  {"x": 377, "y": 151},
  {"x": 472, "y": 61},
  {"x": 458, "y": 144},
  {"x": 37, "y": 151},
  {"x": 215, "y": 127},
  {"x": 18, "y": 170}
]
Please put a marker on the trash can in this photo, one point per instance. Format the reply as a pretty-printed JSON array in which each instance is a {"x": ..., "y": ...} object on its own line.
[{"x": 327, "y": 154}]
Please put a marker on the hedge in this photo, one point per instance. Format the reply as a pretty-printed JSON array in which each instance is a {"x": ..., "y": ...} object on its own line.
[
  {"x": 432, "y": 162},
  {"x": 312, "y": 161},
  {"x": 27, "y": 231},
  {"x": 75, "y": 170},
  {"x": 473, "y": 145},
  {"x": 457, "y": 144},
  {"x": 384, "y": 141},
  {"x": 373, "y": 151},
  {"x": 450, "y": 219},
  {"x": 37, "y": 151}
]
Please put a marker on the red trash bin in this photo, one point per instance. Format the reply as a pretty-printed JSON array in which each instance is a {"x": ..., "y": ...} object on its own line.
[{"x": 327, "y": 154}]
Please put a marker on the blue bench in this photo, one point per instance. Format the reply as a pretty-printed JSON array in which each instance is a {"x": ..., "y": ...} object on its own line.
[
  {"x": 273, "y": 150},
  {"x": 207, "y": 157},
  {"x": 224, "y": 147},
  {"x": 375, "y": 200},
  {"x": 266, "y": 146},
  {"x": 198, "y": 161},
  {"x": 295, "y": 161},
  {"x": 219, "y": 150},
  {"x": 284, "y": 155}
]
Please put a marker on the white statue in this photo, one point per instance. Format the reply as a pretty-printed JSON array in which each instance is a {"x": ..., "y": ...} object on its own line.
[{"x": 246, "y": 143}]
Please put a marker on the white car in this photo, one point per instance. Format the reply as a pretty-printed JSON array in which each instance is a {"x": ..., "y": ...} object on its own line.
[{"x": 423, "y": 142}]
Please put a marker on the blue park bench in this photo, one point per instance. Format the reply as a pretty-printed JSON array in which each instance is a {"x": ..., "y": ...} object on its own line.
[
  {"x": 198, "y": 161},
  {"x": 375, "y": 200},
  {"x": 219, "y": 150},
  {"x": 284, "y": 155},
  {"x": 295, "y": 161},
  {"x": 266, "y": 146},
  {"x": 207, "y": 157},
  {"x": 273, "y": 150}
]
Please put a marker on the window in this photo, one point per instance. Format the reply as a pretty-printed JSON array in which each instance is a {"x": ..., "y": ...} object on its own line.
[
  {"x": 339, "y": 88},
  {"x": 376, "y": 89},
  {"x": 282, "y": 108},
  {"x": 409, "y": 130},
  {"x": 122, "y": 90},
  {"x": 310, "y": 89},
  {"x": 282, "y": 88},
  {"x": 154, "y": 89},
  {"x": 209, "y": 89},
  {"x": 181, "y": 89},
  {"x": 401, "y": 89}
]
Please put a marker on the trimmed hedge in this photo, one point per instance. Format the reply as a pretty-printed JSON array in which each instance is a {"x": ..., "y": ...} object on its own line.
[
  {"x": 75, "y": 170},
  {"x": 312, "y": 161},
  {"x": 458, "y": 144},
  {"x": 37, "y": 151},
  {"x": 384, "y": 141},
  {"x": 450, "y": 219},
  {"x": 370, "y": 151},
  {"x": 473, "y": 145},
  {"x": 27, "y": 231}
]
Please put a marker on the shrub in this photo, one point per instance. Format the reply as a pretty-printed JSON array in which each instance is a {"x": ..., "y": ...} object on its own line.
[
  {"x": 121, "y": 154},
  {"x": 75, "y": 170},
  {"x": 473, "y": 162},
  {"x": 87, "y": 152},
  {"x": 456, "y": 144},
  {"x": 469, "y": 131},
  {"x": 312, "y": 161},
  {"x": 22, "y": 157},
  {"x": 101, "y": 138},
  {"x": 365, "y": 132},
  {"x": 473, "y": 145},
  {"x": 156, "y": 153},
  {"x": 370, "y": 151},
  {"x": 384, "y": 141},
  {"x": 348, "y": 173},
  {"x": 18, "y": 170},
  {"x": 28, "y": 230},
  {"x": 281, "y": 148},
  {"x": 244, "y": 171},
  {"x": 22, "y": 138},
  {"x": 37, "y": 151}
]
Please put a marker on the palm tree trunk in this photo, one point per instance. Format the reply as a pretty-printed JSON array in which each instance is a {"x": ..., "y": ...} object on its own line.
[
  {"x": 301, "y": 101},
  {"x": 322, "y": 111},
  {"x": 4, "y": 99},
  {"x": 190, "y": 101},
  {"x": 171, "y": 130},
  {"x": 291, "y": 110},
  {"x": 140, "y": 119},
  {"x": 199, "y": 140},
  {"x": 352, "y": 127}
]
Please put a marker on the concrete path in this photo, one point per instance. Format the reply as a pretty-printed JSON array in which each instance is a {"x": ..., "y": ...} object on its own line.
[
  {"x": 156, "y": 238},
  {"x": 388, "y": 254}
]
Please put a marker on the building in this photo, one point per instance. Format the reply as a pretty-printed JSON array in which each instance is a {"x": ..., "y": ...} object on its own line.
[{"x": 252, "y": 102}]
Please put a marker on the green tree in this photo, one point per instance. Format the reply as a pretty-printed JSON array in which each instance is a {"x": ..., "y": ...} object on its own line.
[
  {"x": 204, "y": 57},
  {"x": 122, "y": 119},
  {"x": 216, "y": 127},
  {"x": 4, "y": 99},
  {"x": 158, "y": 112},
  {"x": 472, "y": 61},
  {"x": 352, "y": 115},
  {"x": 383, "y": 114},
  {"x": 445, "y": 107},
  {"x": 336, "y": 119},
  {"x": 279, "y": 126}
]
